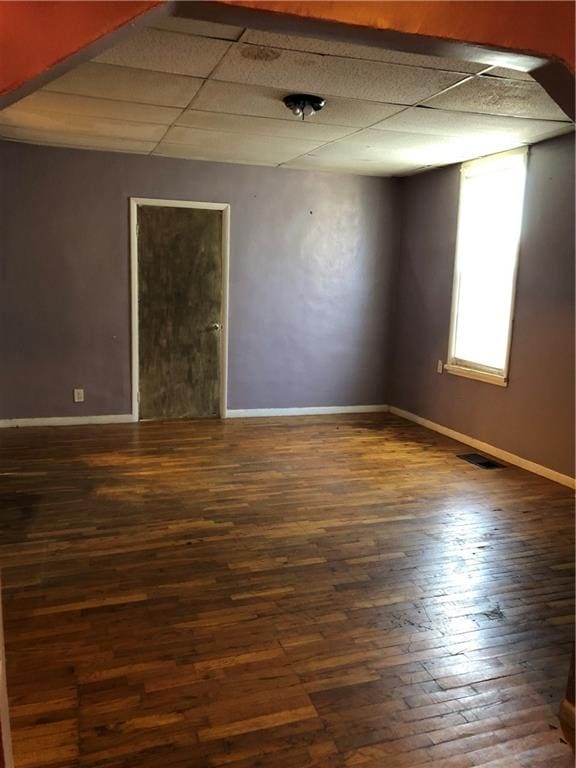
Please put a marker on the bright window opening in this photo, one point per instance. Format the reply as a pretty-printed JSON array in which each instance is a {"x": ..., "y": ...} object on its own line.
[{"x": 489, "y": 226}]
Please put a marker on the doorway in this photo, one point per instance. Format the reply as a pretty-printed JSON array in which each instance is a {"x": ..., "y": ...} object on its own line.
[{"x": 179, "y": 279}]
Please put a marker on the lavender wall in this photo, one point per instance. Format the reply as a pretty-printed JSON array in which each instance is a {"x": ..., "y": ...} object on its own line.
[
  {"x": 310, "y": 290},
  {"x": 534, "y": 416},
  {"x": 327, "y": 305}
]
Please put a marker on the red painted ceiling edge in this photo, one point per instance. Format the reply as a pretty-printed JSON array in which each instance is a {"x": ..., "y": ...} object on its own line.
[
  {"x": 542, "y": 28},
  {"x": 36, "y": 36}
]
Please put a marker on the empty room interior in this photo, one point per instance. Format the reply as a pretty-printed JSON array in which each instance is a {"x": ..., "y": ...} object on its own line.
[{"x": 287, "y": 398}]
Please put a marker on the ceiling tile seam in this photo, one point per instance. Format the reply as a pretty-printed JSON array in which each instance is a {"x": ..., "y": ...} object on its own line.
[
  {"x": 161, "y": 139},
  {"x": 101, "y": 98},
  {"x": 181, "y": 109},
  {"x": 326, "y": 144},
  {"x": 193, "y": 99},
  {"x": 376, "y": 174},
  {"x": 342, "y": 172},
  {"x": 65, "y": 114},
  {"x": 135, "y": 70},
  {"x": 209, "y": 157},
  {"x": 486, "y": 73},
  {"x": 344, "y": 138},
  {"x": 423, "y": 101},
  {"x": 221, "y": 59},
  {"x": 360, "y": 58},
  {"x": 114, "y": 120},
  {"x": 480, "y": 76},
  {"x": 53, "y": 143},
  {"x": 63, "y": 131},
  {"x": 530, "y": 139},
  {"x": 215, "y": 79},
  {"x": 335, "y": 141},
  {"x": 253, "y": 134},
  {"x": 384, "y": 119},
  {"x": 231, "y": 133},
  {"x": 269, "y": 117},
  {"x": 187, "y": 107},
  {"x": 489, "y": 69},
  {"x": 503, "y": 115},
  {"x": 190, "y": 34},
  {"x": 287, "y": 91},
  {"x": 48, "y": 140},
  {"x": 408, "y": 106},
  {"x": 173, "y": 123},
  {"x": 359, "y": 130},
  {"x": 213, "y": 74},
  {"x": 445, "y": 90}
]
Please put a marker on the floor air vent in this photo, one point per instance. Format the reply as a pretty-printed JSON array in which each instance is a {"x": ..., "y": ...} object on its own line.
[{"x": 481, "y": 461}]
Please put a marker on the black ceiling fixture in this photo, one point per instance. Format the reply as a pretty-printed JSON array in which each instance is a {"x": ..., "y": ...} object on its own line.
[{"x": 304, "y": 104}]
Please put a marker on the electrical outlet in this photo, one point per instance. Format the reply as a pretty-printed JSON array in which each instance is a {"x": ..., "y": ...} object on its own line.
[
  {"x": 79, "y": 395},
  {"x": 439, "y": 366}
]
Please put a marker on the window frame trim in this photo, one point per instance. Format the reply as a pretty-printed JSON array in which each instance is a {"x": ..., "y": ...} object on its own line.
[{"x": 467, "y": 368}]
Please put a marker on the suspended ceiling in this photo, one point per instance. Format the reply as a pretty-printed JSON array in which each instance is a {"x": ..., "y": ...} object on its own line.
[{"x": 204, "y": 91}]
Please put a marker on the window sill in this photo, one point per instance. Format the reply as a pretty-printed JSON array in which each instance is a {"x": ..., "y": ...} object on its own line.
[{"x": 471, "y": 373}]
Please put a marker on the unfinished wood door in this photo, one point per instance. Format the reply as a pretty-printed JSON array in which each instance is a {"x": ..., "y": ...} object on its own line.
[{"x": 179, "y": 308}]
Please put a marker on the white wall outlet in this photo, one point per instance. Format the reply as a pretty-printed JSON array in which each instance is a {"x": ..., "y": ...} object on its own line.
[
  {"x": 439, "y": 366},
  {"x": 79, "y": 395}
]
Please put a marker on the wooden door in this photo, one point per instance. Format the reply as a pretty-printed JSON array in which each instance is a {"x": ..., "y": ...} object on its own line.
[{"x": 179, "y": 308}]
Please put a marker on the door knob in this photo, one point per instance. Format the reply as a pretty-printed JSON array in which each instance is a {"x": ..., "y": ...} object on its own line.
[{"x": 213, "y": 327}]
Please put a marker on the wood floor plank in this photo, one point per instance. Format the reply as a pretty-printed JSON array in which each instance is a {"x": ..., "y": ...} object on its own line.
[{"x": 319, "y": 592}]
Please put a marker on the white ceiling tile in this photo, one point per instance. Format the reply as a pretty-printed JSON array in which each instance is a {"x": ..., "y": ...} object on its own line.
[
  {"x": 331, "y": 75},
  {"x": 134, "y": 85},
  {"x": 341, "y": 165},
  {"x": 235, "y": 98},
  {"x": 87, "y": 106},
  {"x": 409, "y": 150},
  {"x": 438, "y": 122},
  {"x": 215, "y": 155},
  {"x": 264, "y": 126},
  {"x": 78, "y": 124},
  {"x": 154, "y": 49},
  {"x": 224, "y": 147},
  {"x": 498, "y": 96},
  {"x": 511, "y": 74},
  {"x": 196, "y": 27},
  {"x": 352, "y": 50},
  {"x": 149, "y": 98},
  {"x": 230, "y": 142},
  {"x": 55, "y": 139}
]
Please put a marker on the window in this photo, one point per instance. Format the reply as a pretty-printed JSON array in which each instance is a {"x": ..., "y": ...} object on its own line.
[{"x": 489, "y": 224}]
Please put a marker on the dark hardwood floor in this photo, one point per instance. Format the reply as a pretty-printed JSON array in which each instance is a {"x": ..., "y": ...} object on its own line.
[{"x": 338, "y": 592}]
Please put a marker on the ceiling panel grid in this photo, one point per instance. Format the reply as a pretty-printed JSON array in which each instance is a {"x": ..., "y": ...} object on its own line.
[{"x": 206, "y": 91}]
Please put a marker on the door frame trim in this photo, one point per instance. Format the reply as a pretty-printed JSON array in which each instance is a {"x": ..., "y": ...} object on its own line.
[{"x": 135, "y": 203}]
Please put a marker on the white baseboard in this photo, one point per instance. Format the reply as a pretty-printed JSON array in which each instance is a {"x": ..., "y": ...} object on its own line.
[
  {"x": 124, "y": 418},
  {"x": 498, "y": 453},
  {"x": 320, "y": 411},
  {"x": 67, "y": 421}
]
